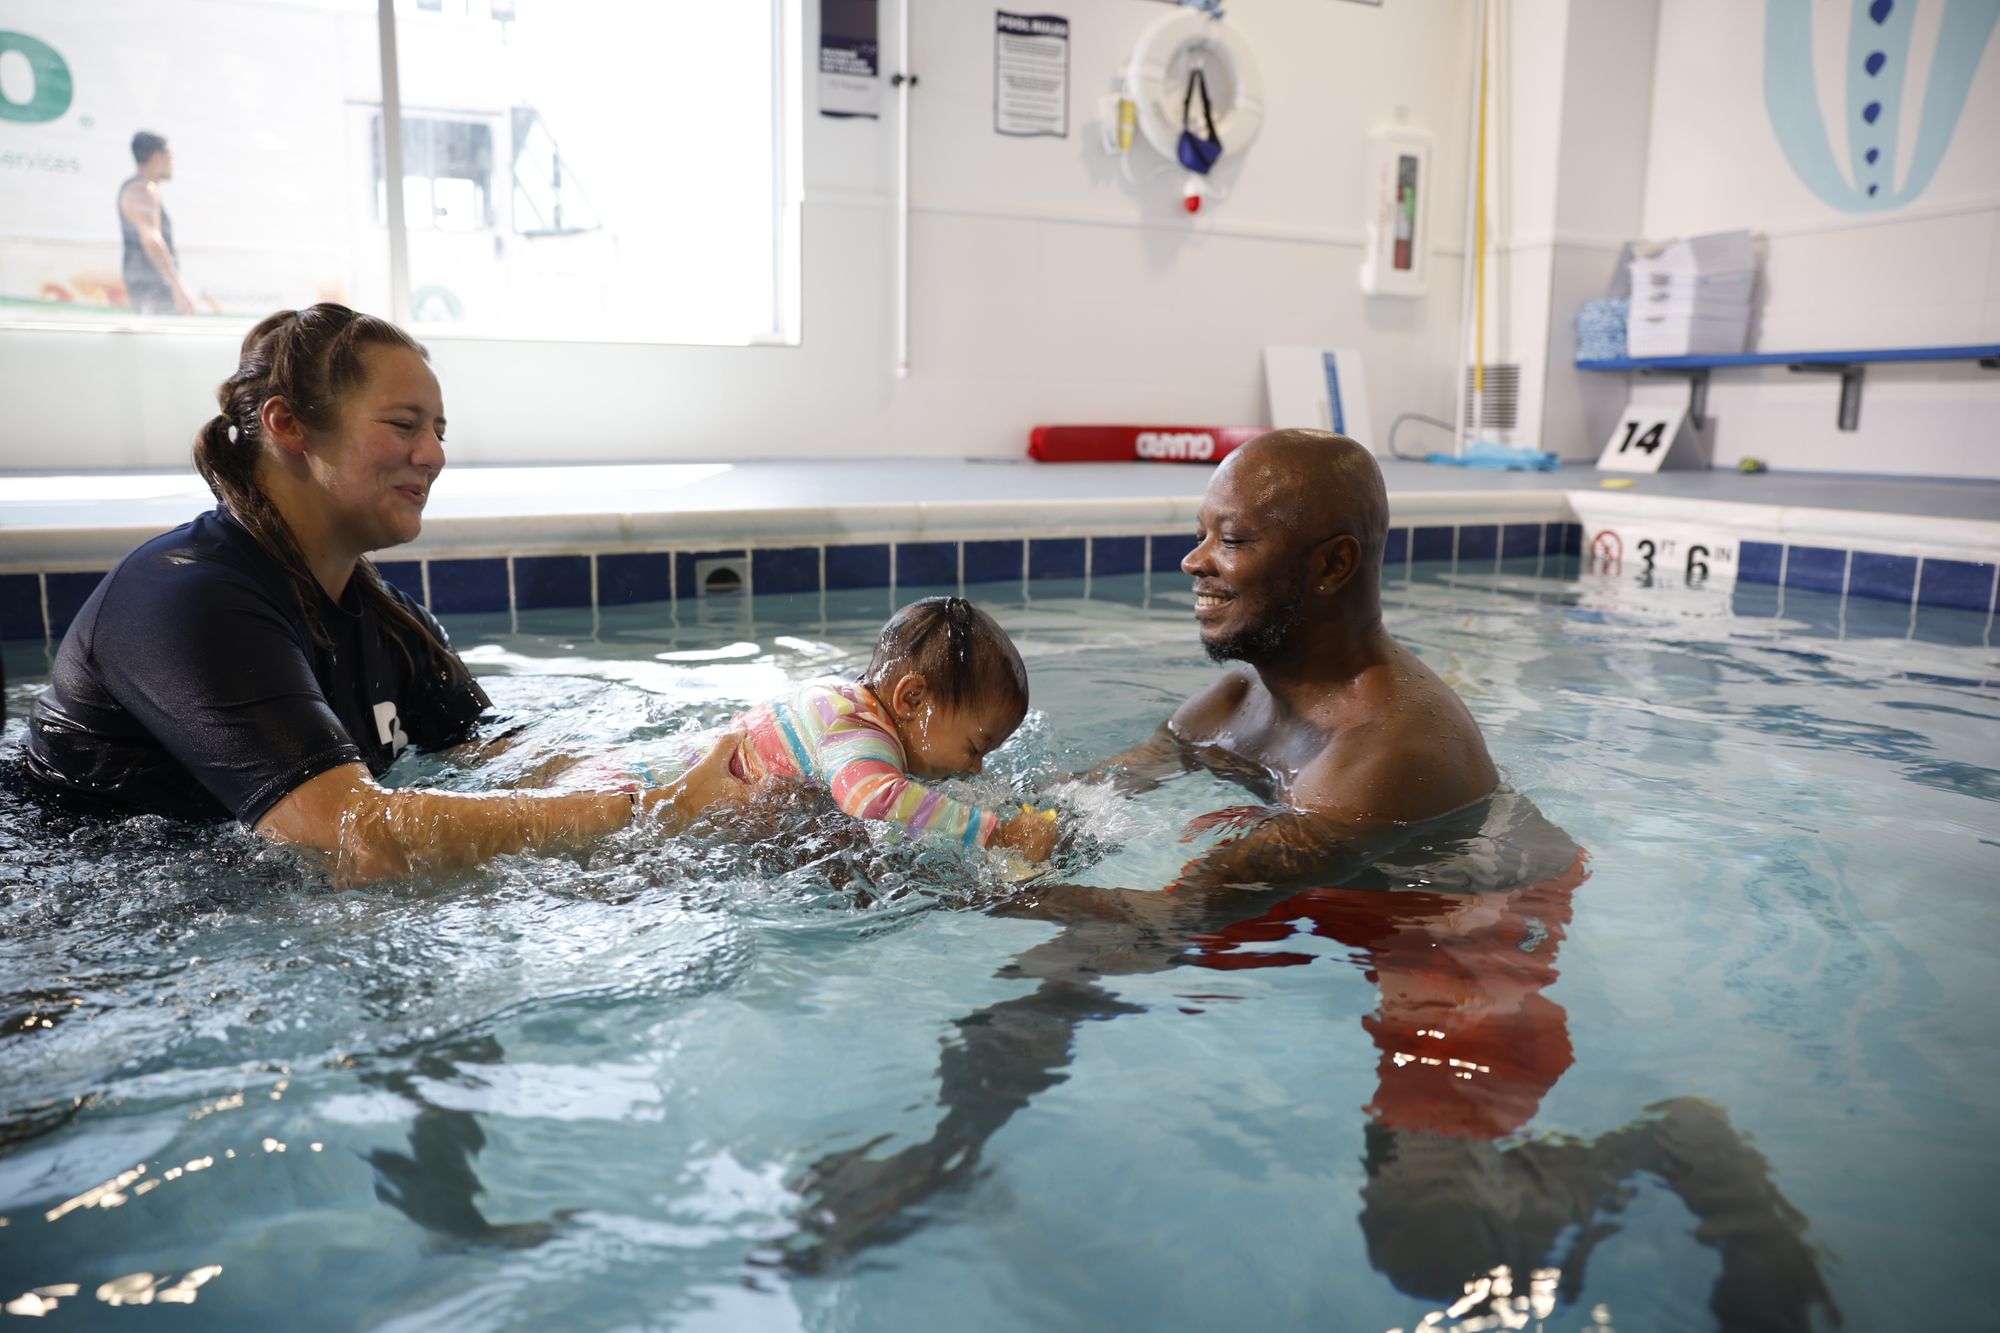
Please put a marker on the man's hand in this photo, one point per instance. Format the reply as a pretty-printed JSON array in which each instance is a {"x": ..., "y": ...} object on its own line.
[{"x": 1234, "y": 819}]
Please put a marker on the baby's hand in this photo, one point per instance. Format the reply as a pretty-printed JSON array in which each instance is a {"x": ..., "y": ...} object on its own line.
[{"x": 1032, "y": 833}]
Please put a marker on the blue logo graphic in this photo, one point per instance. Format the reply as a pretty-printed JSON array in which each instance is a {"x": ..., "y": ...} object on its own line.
[{"x": 1878, "y": 59}]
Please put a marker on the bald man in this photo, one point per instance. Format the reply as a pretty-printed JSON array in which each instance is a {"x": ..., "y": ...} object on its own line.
[{"x": 1328, "y": 718}]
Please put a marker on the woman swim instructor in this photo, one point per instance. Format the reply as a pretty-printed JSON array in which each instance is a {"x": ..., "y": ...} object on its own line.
[{"x": 253, "y": 664}]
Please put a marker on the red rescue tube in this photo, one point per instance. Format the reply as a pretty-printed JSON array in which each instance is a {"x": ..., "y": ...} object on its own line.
[{"x": 1144, "y": 444}]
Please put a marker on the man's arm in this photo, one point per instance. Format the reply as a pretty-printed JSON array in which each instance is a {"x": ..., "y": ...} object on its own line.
[
  {"x": 1145, "y": 766},
  {"x": 1169, "y": 751},
  {"x": 141, "y": 204},
  {"x": 1343, "y": 811},
  {"x": 1288, "y": 849}
]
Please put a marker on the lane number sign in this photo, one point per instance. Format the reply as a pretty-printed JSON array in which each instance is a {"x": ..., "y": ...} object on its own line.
[{"x": 1643, "y": 438}]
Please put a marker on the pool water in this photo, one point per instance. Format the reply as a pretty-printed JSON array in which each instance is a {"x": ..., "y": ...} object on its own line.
[{"x": 1734, "y": 1068}]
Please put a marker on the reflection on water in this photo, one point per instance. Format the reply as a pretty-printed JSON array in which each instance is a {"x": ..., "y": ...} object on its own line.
[
  {"x": 580, "y": 1090},
  {"x": 1469, "y": 1046}
]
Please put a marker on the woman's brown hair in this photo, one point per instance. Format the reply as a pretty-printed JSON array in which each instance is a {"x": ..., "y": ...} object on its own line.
[{"x": 311, "y": 358}]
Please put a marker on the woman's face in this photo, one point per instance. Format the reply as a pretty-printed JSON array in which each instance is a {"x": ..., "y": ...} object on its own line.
[{"x": 376, "y": 467}]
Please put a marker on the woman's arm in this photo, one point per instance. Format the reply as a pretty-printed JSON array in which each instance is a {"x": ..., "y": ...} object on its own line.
[{"x": 368, "y": 832}]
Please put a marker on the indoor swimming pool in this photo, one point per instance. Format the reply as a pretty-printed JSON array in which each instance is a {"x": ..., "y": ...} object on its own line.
[{"x": 1731, "y": 1065}]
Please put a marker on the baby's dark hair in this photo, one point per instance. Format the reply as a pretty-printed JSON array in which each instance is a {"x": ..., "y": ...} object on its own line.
[{"x": 961, "y": 652}]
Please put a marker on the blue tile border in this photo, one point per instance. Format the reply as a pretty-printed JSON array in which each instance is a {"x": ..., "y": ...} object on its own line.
[
  {"x": 67, "y": 594},
  {"x": 571, "y": 580},
  {"x": 785, "y": 569},
  {"x": 1961, "y": 583},
  {"x": 1169, "y": 549},
  {"x": 1056, "y": 557},
  {"x": 407, "y": 576},
  {"x": 926, "y": 564},
  {"x": 543, "y": 581},
  {"x": 1478, "y": 543},
  {"x": 469, "y": 585},
  {"x": 1117, "y": 555},
  {"x": 1892, "y": 578},
  {"x": 1519, "y": 541},
  {"x": 629, "y": 578},
  {"x": 857, "y": 566},
  {"x": 1433, "y": 544},
  {"x": 1759, "y": 562},
  {"x": 1817, "y": 568},
  {"x": 21, "y": 607},
  {"x": 993, "y": 561}
]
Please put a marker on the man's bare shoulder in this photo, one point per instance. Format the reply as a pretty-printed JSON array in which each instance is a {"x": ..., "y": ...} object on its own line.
[
  {"x": 139, "y": 196},
  {"x": 1401, "y": 763},
  {"x": 1209, "y": 711}
]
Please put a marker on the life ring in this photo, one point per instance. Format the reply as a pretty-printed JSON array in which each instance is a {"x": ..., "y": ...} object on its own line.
[{"x": 1156, "y": 81}]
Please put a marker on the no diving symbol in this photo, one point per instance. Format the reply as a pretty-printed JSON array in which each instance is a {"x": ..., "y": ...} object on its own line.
[{"x": 1607, "y": 550}]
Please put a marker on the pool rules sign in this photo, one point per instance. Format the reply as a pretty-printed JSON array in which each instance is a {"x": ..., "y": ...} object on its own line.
[{"x": 1646, "y": 436}]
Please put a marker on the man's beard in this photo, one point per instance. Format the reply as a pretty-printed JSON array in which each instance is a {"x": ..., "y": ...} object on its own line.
[{"x": 1265, "y": 641}]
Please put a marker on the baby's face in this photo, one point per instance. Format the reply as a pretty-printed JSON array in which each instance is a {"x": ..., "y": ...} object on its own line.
[{"x": 946, "y": 742}]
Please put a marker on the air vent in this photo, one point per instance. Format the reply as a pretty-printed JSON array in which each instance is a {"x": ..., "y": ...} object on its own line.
[{"x": 1501, "y": 403}]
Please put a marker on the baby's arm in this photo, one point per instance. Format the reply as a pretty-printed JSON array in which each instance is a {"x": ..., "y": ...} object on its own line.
[{"x": 864, "y": 772}]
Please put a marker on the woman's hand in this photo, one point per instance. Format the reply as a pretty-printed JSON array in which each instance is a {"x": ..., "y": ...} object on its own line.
[
  {"x": 1032, "y": 833},
  {"x": 711, "y": 782}
]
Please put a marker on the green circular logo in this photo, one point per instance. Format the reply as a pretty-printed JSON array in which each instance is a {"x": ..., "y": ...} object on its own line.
[{"x": 52, "y": 88}]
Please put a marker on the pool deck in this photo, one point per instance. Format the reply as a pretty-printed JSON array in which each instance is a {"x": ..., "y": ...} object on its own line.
[
  {"x": 88, "y": 521},
  {"x": 522, "y": 538}
]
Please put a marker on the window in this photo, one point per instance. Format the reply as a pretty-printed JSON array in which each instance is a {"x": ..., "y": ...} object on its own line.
[
  {"x": 587, "y": 168},
  {"x": 548, "y": 201},
  {"x": 447, "y": 174},
  {"x": 254, "y": 191},
  {"x": 619, "y": 159}
]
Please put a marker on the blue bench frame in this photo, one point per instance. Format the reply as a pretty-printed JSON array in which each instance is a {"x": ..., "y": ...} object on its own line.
[{"x": 1847, "y": 365}]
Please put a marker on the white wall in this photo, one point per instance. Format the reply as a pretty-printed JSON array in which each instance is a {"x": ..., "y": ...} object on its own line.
[
  {"x": 1924, "y": 274},
  {"x": 1566, "y": 140},
  {"x": 1044, "y": 288}
]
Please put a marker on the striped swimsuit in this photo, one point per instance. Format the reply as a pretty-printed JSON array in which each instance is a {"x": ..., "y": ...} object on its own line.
[{"x": 837, "y": 735}]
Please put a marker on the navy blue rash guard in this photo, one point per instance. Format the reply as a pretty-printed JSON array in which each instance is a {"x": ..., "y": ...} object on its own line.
[{"x": 190, "y": 685}]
